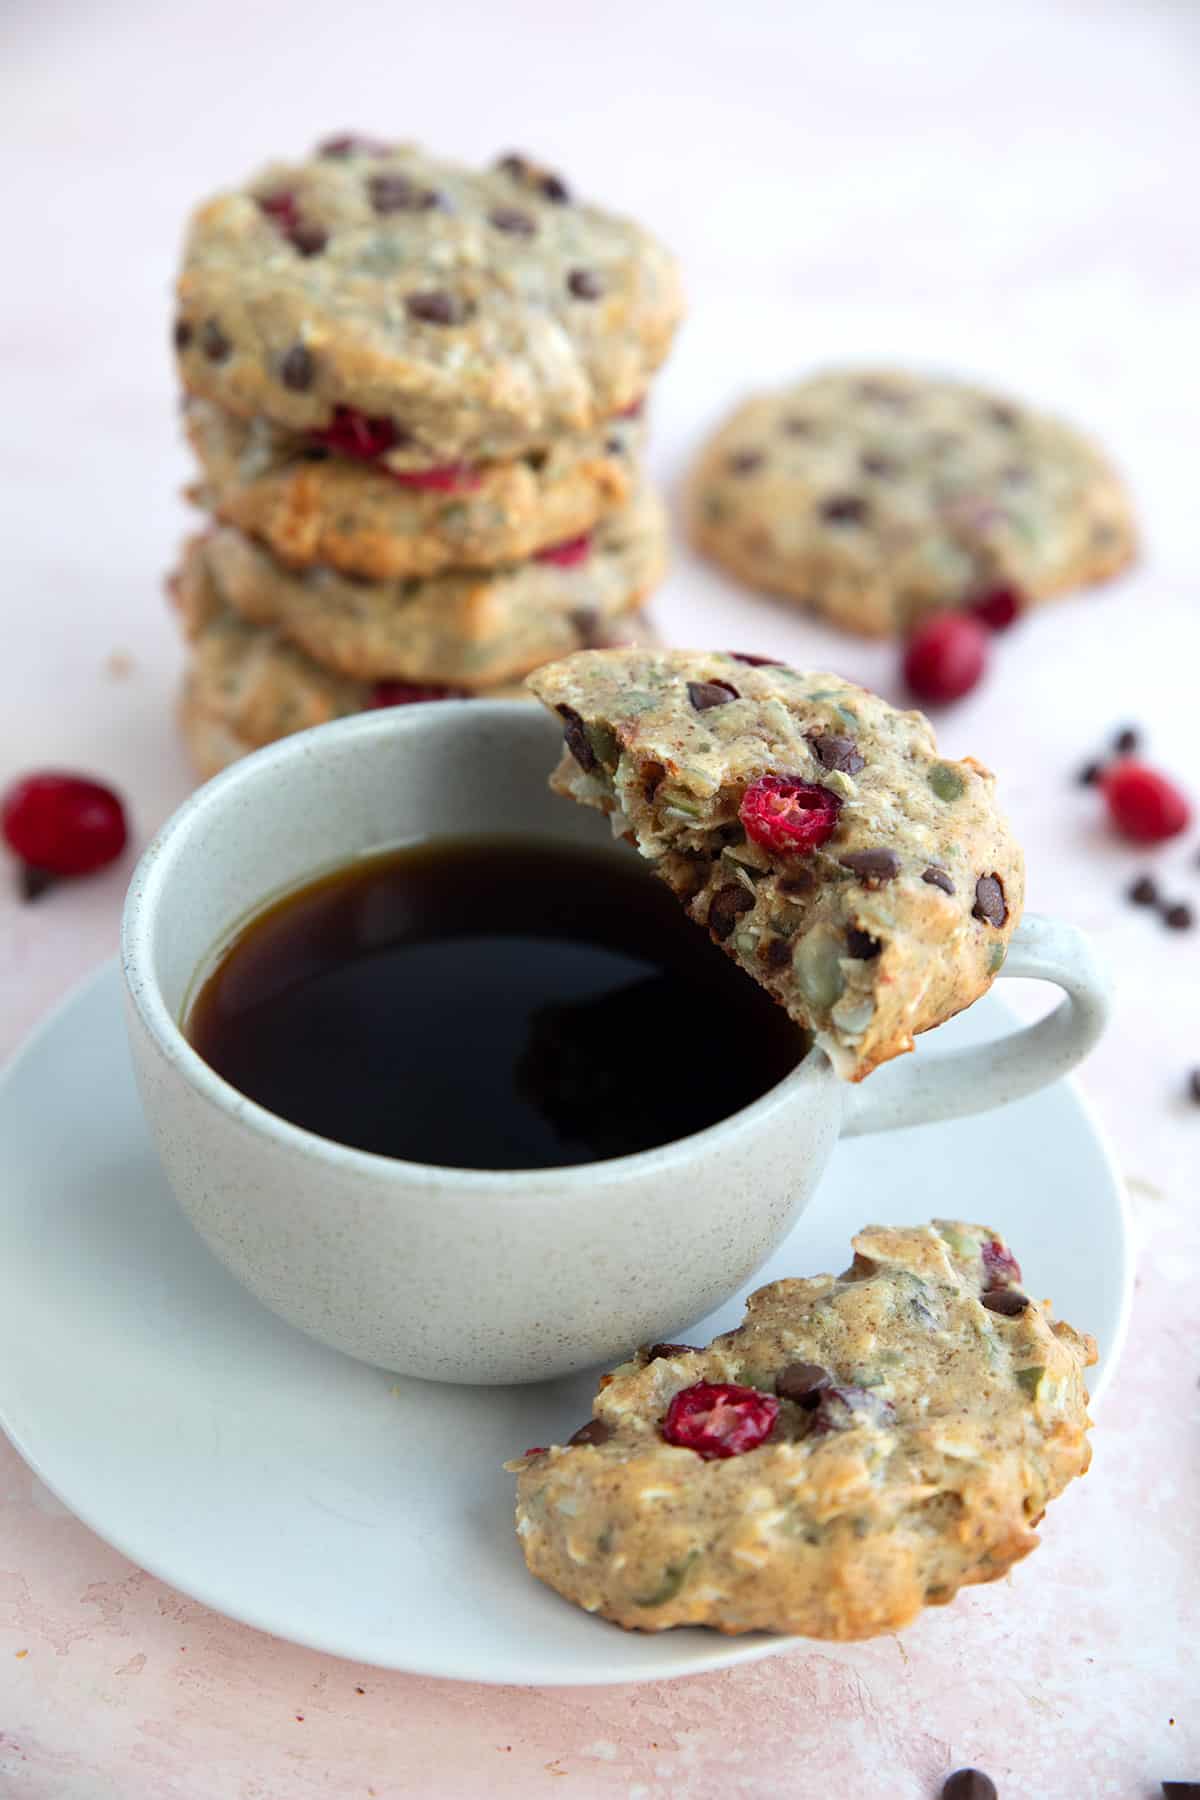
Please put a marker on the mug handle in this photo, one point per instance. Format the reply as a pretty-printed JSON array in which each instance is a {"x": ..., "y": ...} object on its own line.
[{"x": 925, "y": 1090}]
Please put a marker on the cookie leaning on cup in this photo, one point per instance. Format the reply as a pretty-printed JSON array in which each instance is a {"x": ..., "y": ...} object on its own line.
[
  {"x": 867, "y": 883},
  {"x": 861, "y": 1446}
]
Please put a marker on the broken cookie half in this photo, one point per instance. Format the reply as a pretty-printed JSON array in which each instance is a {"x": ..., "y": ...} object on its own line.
[{"x": 869, "y": 884}]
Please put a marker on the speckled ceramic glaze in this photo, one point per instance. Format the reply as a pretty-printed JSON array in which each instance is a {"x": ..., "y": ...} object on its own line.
[{"x": 462, "y": 1275}]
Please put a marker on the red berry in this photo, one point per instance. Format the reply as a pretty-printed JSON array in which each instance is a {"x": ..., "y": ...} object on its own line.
[
  {"x": 452, "y": 478},
  {"x": 281, "y": 209},
  {"x": 63, "y": 823},
  {"x": 536, "y": 1450},
  {"x": 409, "y": 693},
  {"x": 945, "y": 657},
  {"x": 1000, "y": 1266},
  {"x": 567, "y": 554},
  {"x": 353, "y": 434},
  {"x": 999, "y": 608},
  {"x": 788, "y": 816},
  {"x": 1143, "y": 804},
  {"x": 719, "y": 1419}
]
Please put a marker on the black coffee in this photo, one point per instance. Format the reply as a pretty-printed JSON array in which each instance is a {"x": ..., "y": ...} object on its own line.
[{"x": 490, "y": 1005}]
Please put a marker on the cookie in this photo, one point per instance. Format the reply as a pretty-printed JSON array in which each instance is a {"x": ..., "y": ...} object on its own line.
[
  {"x": 310, "y": 505},
  {"x": 469, "y": 629},
  {"x": 870, "y": 885},
  {"x": 247, "y": 685},
  {"x": 861, "y": 1446},
  {"x": 402, "y": 302},
  {"x": 875, "y": 497}
]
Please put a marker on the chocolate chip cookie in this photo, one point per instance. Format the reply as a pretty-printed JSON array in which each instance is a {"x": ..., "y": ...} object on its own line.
[
  {"x": 473, "y": 629},
  {"x": 869, "y": 884},
  {"x": 862, "y": 1446},
  {"x": 875, "y": 497},
  {"x": 310, "y": 504},
  {"x": 379, "y": 296}
]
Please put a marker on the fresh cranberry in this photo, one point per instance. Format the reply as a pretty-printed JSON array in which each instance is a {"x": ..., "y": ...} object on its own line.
[
  {"x": 568, "y": 554},
  {"x": 788, "y": 816},
  {"x": 838, "y": 1408},
  {"x": 999, "y": 608},
  {"x": 63, "y": 824},
  {"x": 409, "y": 693},
  {"x": 945, "y": 657},
  {"x": 719, "y": 1419},
  {"x": 536, "y": 1450},
  {"x": 1143, "y": 804},
  {"x": 281, "y": 209},
  {"x": 1000, "y": 1266},
  {"x": 451, "y": 478},
  {"x": 355, "y": 435}
]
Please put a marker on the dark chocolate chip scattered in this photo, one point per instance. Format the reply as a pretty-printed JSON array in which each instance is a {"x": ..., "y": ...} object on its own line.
[
  {"x": 798, "y": 883},
  {"x": 309, "y": 240},
  {"x": 1090, "y": 774},
  {"x": 393, "y": 193},
  {"x": 755, "y": 662},
  {"x": 298, "y": 367},
  {"x": 437, "y": 308},
  {"x": 315, "y": 453},
  {"x": 706, "y": 694},
  {"x": 726, "y": 907},
  {"x": 744, "y": 462},
  {"x": 596, "y": 1431},
  {"x": 871, "y": 463},
  {"x": 33, "y": 882},
  {"x": 990, "y": 904},
  {"x": 585, "y": 284},
  {"x": 872, "y": 867},
  {"x": 1127, "y": 740},
  {"x": 1144, "y": 891},
  {"x": 182, "y": 334},
  {"x": 861, "y": 945},
  {"x": 1179, "y": 917},
  {"x": 969, "y": 1784},
  {"x": 576, "y": 738},
  {"x": 836, "y": 752},
  {"x": 1004, "y": 416},
  {"x": 653, "y": 1352},
  {"x": 215, "y": 345},
  {"x": 802, "y": 1382},
  {"x": 554, "y": 188},
  {"x": 614, "y": 446},
  {"x": 778, "y": 953},
  {"x": 844, "y": 509},
  {"x": 550, "y": 186},
  {"x": 1007, "y": 1300},
  {"x": 838, "y": 1408},
  {"x": 938, "y": 878},
  {"x": 1194, "y": 1085},
  {"x": 513, "y": 220}
]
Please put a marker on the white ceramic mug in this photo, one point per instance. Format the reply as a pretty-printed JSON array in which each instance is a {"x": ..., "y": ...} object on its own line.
[{"x": 460, "y": 1274}]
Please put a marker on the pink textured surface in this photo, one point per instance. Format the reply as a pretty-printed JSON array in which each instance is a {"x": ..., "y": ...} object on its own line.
[{"x": 990, "y": 191}]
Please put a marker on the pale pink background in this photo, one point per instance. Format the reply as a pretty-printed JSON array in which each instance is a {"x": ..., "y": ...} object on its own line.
[{"x": 1009, "y": 191}]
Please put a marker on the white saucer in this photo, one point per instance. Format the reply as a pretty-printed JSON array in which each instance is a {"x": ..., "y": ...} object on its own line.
[{"x": 345, "y": 1508}]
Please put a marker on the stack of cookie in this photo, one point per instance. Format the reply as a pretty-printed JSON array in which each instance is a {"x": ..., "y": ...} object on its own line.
[{"x": 415, "y": 392}]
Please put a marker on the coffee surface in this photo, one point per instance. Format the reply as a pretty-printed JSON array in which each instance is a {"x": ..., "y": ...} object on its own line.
[{"x": 489, "y": 1005}]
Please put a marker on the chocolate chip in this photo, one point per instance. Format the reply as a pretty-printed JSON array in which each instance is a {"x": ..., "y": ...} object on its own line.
[
  {"x": 1009, "y": 1301},
  {"x": 844, "y": 509},
  {"x": 309, "y": 240},
  {"x": 726, "y": 907},
  {"x": 799, "y": 883},
  {"x": 1179, "y": 917},
  {"x": 778, "y": 953},
  {"x": 938, "y": 878},
  {"x": 795, "y": 426},
  {"x": 576, "y": 738},
  {"x": 438, "y": 308},
  {"x": 652, "y": 776},
  {"x": 182, "y": 334},
  {"x": 315, "y": 453},
  {"x": 614, "y": 446},
  {"x": 1194, "y": 1085},
  {"x": 550, "y": 186},
  {"x": 585, "y": 284},
  {"x": 990, "y": 904},
  {"x": 513, "y": 220},
  {"x": 744, "y": 462},
  {"x": 1004, "y": 416},
  {"x": 1127, "y": 740},
  {"x": 754, "y": 662},
  {"x": 393, "y": 193},
  {"x": 1144, "y": 891},
  {"x": 969, "y": 1784},
  {"x": 596, "y": 1431},
  {"x": 871, "y": 463},
  {"x": 555, "y": 189},
  {"x": 1090, "y": 774},
  {"x": 836, "y": 752},
  {"x": 33, "y": 882},
  {"x": 585, "y": 623},
  {"x": 861, "y": 945},
  {"x": 705, "y": 694},
  {"x": 872, "y": 867},
  {"x": 802, "y": 1382},
  {"x": 298, "y": 367},
  {"x": 215, "y": 345},
  {"x": 653, "y": 1352}
]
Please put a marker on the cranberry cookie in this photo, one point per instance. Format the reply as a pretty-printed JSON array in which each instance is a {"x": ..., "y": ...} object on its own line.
[
  {"x": 311, "y": 504},
  {"x": 869, "y": 884},
  {"x": 378, "y": 296},
  {"x": 875, "y": 497},
  {"x": 862, "y": 1446}
]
